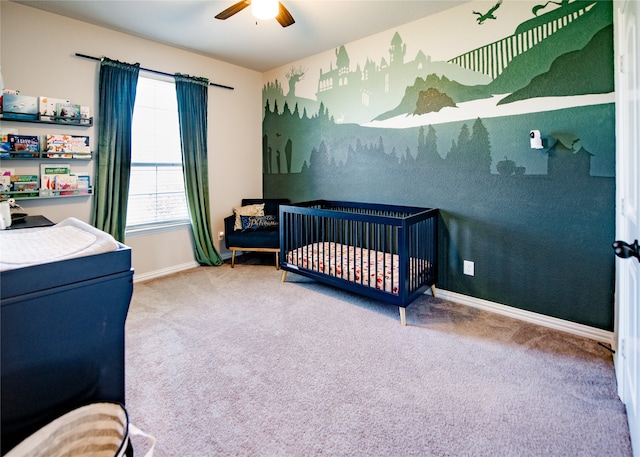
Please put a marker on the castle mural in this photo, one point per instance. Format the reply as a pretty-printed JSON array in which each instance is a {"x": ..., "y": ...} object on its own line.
[{"x": 452, "y": 133}]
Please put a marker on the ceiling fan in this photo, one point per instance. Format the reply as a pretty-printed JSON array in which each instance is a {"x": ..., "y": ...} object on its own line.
[{"x": 278, "y": 11}]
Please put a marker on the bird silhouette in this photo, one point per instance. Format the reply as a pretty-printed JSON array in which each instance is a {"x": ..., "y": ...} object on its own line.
[{"x": 488, "y": 15}]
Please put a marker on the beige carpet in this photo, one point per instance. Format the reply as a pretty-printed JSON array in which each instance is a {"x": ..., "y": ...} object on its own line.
[{"x": 232, "y": 362}]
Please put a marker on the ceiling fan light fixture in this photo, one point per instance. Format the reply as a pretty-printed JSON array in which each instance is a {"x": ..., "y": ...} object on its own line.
[{"x": 265, "y": 9}]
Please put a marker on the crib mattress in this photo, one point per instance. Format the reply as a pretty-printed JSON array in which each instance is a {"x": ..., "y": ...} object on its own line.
[{"x": 380, "y": 270}]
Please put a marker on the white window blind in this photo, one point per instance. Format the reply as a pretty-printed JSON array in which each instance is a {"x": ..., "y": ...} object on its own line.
[{"x": 156, "y": 191}]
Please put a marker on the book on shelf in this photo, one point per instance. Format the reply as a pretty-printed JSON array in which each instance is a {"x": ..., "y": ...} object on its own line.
[
  {"x": 84, "y": 184},
  {"x": 71, "y": 144},
  {"x": 55, "y": 169},
  {"x": 63, "y": 182},
  {"x": 18, "y": 179},
  {"x": 85, "y": 115},
  {"x": 81, "y": 155},
  {"x": 6, "y": 91},
  {"x": 48, "y": 107},
  {"x": 27, "y": 185},
  {"x": 5, "y": 146},
  {"x": 66, "y": 184},
  {"x": 47, "y": 185},
  {"x": 80, "y": 144},
  {"x": 23, "y": 155},
  {"x": 68, "y": 111},
  {"x": 5, "y": 178},
  {"x": 5, "y": 183},
  {"x": 48, "y": 176},
  {"x": 16, "y": 106},
  {"x": 51, "y": 185},
  {"x": 58, "y": 155},
  {"x": 28, "y": 145}
]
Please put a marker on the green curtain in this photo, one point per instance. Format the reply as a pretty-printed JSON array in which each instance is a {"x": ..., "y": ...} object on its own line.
[
  {"x": 193, "y": 95},
  {"x": 117, "y": 95}
]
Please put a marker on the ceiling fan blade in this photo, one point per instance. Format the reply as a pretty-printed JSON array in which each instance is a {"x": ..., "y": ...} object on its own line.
[
  {"x": 284, "y": 17},
  {"x": 233, "y": 9}
]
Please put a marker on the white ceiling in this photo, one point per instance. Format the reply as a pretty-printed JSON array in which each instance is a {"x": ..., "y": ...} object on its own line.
[{"x": 242, "y": 40}]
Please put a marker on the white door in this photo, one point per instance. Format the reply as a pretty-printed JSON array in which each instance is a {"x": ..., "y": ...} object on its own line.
[{"x": 627, "y": 45}]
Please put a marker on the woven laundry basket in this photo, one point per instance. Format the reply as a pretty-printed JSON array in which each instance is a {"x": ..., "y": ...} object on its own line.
[{"x": 95, "y": 430}]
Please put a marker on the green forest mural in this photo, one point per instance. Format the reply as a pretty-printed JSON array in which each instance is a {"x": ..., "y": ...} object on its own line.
[{"x": 439, "y": 116}]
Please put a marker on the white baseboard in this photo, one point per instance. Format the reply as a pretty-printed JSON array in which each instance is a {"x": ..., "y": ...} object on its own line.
[
  {"x": 137, "y": 277},
  {"x": 573, "y": 328},
  {"x": 582, "y": 330}
]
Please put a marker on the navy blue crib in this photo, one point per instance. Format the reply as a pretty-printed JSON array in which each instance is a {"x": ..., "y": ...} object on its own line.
[{"x": 385, "y": 252}]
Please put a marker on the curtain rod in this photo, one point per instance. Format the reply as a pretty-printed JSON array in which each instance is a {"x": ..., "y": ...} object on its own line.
[{"x": 152, "y": 71}]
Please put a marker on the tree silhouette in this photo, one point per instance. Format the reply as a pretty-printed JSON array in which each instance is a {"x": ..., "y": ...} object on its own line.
[
  {"x": 294, "y": 75},
  {"x": 288, "y": 153},
  {"x": 481, "y": 146},
  {"x": 459, "y": 153},
  {"x": 265, "y": 154},
  {"x": 319, "y": 159},
  {"x": 472, "y": 152},
  {"x": 428, "y": 147}
]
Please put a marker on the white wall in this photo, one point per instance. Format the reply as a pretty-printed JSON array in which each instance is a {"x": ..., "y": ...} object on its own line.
[{"x": 40, "y": 60}]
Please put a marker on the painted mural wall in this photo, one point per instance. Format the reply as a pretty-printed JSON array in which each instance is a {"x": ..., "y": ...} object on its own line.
[{"x": 438, "y": 112}]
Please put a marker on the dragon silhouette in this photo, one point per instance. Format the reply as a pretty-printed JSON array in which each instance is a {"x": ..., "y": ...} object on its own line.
[
  {"x": 537, "y": 8},
  {"x": 488, "y": 15}
]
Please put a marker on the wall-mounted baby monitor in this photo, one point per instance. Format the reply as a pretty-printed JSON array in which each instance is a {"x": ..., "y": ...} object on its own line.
[{"x": 536, "y": 139}]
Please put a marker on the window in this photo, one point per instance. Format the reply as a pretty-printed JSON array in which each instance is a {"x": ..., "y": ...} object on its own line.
[{"x": 156, "y": 191}]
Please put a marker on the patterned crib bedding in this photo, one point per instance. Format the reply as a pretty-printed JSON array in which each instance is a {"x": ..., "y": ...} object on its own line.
[{"x": 352, "y": 263}]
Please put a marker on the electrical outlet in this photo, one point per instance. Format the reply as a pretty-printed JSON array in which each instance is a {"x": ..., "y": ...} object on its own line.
[
  {"x": 468, "y": 268},
  {"x": 221, "y": 235}
]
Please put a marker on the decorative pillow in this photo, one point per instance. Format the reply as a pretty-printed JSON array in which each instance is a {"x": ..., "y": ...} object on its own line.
[
  {"x": 251, "y": 223},
  {"x": 248, "y": 210}
]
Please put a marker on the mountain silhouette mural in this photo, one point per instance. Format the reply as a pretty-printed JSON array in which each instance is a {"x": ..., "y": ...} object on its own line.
[
  {"x": 454, "y": 134},
  {"x": 565, "y": 76},
  {"x": 442, "y": 86},
  {"x": 432, "y": 100}
]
